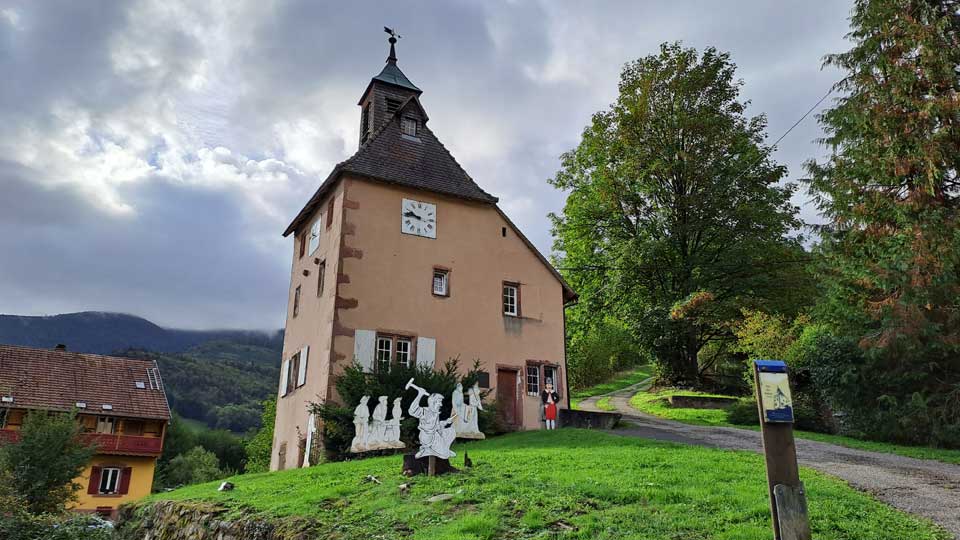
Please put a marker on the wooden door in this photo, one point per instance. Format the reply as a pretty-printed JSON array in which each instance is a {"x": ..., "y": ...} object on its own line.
[{"x": 507, "y": 406}]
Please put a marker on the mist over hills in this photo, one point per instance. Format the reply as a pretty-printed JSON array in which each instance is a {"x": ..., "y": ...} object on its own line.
[{"x": 105, "y": 333}]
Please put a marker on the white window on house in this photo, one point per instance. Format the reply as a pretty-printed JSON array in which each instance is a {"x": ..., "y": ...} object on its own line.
[
  {"x": 106, "y": 424},
  {"x": 109, "y": 480},
  {"x": 403, "y": 352},
  {"x": 384, "y": 352},
  {"x": 550, "y": 376},
  {"x": 293, "y": 369},
  {"x": 315, "y": 235},
  {"x": 441, "y": 283},
  {"x": 533, "y": 380},
  {"x": 511, "y": 299},
  {"x": 408, "y": 126}
]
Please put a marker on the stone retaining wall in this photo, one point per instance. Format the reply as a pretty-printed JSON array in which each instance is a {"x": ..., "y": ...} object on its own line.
[{"x": 176, "y": 520}]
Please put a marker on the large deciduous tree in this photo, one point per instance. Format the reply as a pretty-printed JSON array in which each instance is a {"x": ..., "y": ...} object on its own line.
[
  {"x": 892, "y": 247},
  {"x": 676, "y": 218}
]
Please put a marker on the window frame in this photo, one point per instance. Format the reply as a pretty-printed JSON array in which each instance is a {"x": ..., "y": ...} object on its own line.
[
  {"x": 330, "y": 211},
  {"x": 314, "y": 235},
  {"x": 321, "y": 271},
  {"x": 296, "y": 301},
  {"x": 378, "y": 361},
  {"x": 106, "y": 477},
  {"x": 111, "y": 420},
  {"x": 410, "y": 121},
  {"x": 516, "y": 298},
  {"x": 445, "y": 272},
  {"x": 293, "y": 369},
  {"x": 302, "y": 240},
  {"x": 535, "y": 380},
  {"x": 393, "y": 339}
]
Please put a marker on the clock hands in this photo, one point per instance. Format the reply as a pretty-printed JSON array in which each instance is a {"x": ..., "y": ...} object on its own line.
[{"x": 412, "y": 214}]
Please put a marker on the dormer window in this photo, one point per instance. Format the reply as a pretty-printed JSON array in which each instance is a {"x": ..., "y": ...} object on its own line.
[{"x": 408, "y": 126}]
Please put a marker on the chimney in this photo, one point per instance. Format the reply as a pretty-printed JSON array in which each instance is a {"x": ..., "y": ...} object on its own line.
[{"x": 60, "y": 347}]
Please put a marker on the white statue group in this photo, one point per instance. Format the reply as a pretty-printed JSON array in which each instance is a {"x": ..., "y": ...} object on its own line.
[
  {"x": 376, "y": 432},
  {"x": 436, "y": 435}
]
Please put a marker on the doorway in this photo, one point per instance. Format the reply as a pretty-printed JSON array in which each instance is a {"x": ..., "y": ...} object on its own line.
[{"x": 508, "y": 406}]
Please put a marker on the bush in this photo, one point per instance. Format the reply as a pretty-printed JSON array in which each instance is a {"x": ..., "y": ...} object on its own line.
[
  {"x": 41, "y": 469},
  {"x": 259, "y": 446},
  {"x": 599, "y": 352},
  {"x": 354, "y": 383},
  {"x": 744, "y": 412},
  {"x": 196, "y": 466}
]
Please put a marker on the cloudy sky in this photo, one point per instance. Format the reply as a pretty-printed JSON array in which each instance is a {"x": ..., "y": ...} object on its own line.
[{"x": 152, "y": 152}]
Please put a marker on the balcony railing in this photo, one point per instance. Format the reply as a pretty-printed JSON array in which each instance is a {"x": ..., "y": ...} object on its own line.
[{"x": 106, "y": 443}]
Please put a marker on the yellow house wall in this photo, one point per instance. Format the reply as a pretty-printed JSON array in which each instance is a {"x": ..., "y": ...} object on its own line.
[{"x": 141, "y": 481}]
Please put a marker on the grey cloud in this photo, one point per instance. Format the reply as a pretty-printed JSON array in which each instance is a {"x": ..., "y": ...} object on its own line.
[{"x": 151, "y": 152}]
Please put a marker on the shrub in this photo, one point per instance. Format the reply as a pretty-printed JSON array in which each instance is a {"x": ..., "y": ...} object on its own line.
[
  {"x": 354, "y": 383},
  {"x": 196, "y": 466},
  {"x": 744, "y": 412},
  {"x": 597, "y": 353},
  {"x": 43, "y": 466},
  {"x": 258, "y": 447}
]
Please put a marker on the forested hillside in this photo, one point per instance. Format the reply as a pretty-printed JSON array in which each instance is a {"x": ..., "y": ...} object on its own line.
[{"x": 219, "y": 383}]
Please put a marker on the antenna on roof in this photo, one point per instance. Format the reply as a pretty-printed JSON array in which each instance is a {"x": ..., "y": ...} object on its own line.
[{"x": 394, "y": 36}]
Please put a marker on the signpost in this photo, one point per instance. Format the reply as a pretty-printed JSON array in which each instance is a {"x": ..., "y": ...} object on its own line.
[{"x": 788, "y": 502}]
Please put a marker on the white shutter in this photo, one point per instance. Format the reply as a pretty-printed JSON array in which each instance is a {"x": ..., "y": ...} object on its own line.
[
  {"x": 302, "y": 373},
  {"x": 426, "y": 352},
  {"x": 311, "y": 427},
  {"x": 315, "y": 235},
  {"x": 284, "y": 368},
  {"x": 363, "y": 344}
]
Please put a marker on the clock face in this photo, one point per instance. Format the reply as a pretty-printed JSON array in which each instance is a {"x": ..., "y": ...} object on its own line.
[{"x": 418, "y": 218}]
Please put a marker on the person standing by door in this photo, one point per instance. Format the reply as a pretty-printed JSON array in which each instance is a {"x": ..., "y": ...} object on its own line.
[{"x": 549, "y": 397}]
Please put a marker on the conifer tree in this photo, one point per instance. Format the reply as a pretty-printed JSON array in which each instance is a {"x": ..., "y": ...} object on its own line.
[{"x": 892, "y": 246}]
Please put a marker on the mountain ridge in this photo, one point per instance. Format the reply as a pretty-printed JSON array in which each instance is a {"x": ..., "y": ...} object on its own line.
[{"x": 105, "y": 332}]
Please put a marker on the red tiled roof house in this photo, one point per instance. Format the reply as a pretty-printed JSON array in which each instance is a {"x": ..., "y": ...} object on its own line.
[{"x": 121, "y": 407}]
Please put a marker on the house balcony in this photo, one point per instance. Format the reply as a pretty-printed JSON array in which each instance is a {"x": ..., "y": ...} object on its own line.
[{"x": 106, "y": 443}]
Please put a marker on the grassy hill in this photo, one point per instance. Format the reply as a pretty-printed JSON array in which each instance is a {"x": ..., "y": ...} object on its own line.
[{"x": 567, "y": 484}]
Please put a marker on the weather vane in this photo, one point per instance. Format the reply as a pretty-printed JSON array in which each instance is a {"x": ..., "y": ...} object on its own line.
[{"x": 394, "y": 36}]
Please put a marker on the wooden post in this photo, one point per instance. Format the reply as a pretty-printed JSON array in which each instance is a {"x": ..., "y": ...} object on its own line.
[
  {"x": 787, "y": 498},
  {"x": 432, "y": 466}
]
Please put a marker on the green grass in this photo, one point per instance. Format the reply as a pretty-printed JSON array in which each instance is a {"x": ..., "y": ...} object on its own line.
[
  {"x": 654, "y": 403},
  {"x": 620, "y": 381},
  {"x": 604, "y": 404},
  {"x": 564, "y": 484}
]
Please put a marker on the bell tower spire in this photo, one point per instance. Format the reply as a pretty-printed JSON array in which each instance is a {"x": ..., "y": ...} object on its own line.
[{"x": 385, "y": 93}]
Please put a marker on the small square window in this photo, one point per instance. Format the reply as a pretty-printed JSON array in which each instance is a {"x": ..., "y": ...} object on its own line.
[
  {"x": 403, "y": 352},
  {"x": 511, "y": 299},
  {"x": 408, "y": 126},
  {"x": 109, "y": 480},
  {"x": 441, "y": 283},
  {"x": 533, "y": 380},
  {"x": 384, "y": 353}
]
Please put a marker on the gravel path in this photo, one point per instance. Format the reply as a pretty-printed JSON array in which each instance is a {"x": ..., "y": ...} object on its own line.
[{"x": 925, "y": 488}]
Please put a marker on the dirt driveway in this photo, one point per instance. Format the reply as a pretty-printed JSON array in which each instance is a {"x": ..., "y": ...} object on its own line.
[{"x": 926, "y": 488}]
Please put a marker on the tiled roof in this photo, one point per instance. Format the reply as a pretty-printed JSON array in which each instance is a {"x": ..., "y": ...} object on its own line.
[
  {"x": 390, "y": 157},
  {"x": 56, "y": 380}
]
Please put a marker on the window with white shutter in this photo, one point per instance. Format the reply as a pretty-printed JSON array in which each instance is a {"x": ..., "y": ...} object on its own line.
[
  {"x": 426, "y": 352},
  {"x": 302, "y": 372},
  {"x": 284, "y": 367},
  {"x": 363, "y": 348},
  {"x": 315, "y": 235}
]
